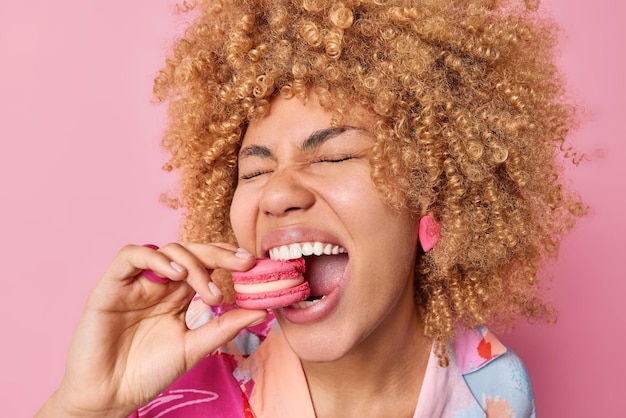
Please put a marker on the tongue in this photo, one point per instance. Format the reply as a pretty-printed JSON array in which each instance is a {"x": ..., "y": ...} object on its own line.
[{"x": 325, "y": 272}]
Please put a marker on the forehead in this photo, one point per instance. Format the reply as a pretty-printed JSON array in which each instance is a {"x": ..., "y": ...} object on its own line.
[
  {"x": 288, "y": 117},
  {"x": 296, "y": 118}
]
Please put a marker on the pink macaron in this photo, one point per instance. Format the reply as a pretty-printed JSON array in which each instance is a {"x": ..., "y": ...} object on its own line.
[{"x": 271, "y": 284}]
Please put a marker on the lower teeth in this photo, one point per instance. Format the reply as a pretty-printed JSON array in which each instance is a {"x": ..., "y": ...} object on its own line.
[{"x": 306, "y": 303}]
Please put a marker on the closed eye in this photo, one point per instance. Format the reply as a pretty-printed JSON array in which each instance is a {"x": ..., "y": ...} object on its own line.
[
  {"x": 337, "y": 159},
  {"x": 253, "y": 174}
]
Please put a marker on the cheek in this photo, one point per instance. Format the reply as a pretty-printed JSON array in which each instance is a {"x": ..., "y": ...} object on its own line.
[
  {"x": 365, "y": 210},
  {"x": 242, "y": 215},
  {"x": 350, "y": 192}
]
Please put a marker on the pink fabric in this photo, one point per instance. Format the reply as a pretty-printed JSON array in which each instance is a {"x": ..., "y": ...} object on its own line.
[
  {"x": 258, "y": 375},
  {"x": 210, "y": 382}
]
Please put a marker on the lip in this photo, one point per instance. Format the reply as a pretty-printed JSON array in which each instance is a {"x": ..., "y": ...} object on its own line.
[{"x": 291, "y": 235}]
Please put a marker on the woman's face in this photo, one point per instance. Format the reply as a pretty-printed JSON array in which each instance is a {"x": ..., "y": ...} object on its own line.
[{"x": 305, "y": 187}]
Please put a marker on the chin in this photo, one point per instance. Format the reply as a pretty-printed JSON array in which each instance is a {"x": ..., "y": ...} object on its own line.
[
  {"x": 318, "y": 354},
  {"x": 318, "y": 345}
]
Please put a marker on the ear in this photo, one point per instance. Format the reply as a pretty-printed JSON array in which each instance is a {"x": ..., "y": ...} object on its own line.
[{"x": 428, "y": 231}]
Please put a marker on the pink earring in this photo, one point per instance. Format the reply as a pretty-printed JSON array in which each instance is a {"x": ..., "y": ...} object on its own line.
[{"x": 428, "y": 231}]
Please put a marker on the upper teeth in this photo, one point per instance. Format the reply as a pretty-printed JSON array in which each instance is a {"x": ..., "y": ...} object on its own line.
[{"x": 297, "y": 250}]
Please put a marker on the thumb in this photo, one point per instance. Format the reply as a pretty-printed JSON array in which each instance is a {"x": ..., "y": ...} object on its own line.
[{"x": 218, "y": 331}]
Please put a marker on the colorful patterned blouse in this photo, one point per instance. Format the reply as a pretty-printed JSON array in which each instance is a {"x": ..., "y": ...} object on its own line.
[{"x": 246, "y": 378}]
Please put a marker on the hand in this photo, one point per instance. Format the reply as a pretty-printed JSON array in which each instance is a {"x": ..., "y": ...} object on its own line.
[{"x": 132, "y": 341}]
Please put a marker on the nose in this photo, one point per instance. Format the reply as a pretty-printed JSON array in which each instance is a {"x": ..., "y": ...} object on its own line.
[{"x": 285, "y": 193}]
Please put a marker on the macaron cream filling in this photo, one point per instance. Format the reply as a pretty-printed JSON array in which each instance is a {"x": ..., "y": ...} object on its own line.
[
  {"x": 250, "y": 288},
  {"x": 325, "y": 266}
]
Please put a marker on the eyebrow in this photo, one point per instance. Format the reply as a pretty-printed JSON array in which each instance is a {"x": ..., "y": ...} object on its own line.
[
  {"x": 318, "y": 138},
  {"x": 255, "y": 151},
  {"x": 315, "y": 140}
]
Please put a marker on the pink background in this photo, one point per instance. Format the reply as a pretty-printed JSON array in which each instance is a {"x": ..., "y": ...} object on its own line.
[{"x": 81, "y": 176}]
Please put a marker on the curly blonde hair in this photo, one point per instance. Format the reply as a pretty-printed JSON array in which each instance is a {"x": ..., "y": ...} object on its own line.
[{"x": 470, "y": 116}]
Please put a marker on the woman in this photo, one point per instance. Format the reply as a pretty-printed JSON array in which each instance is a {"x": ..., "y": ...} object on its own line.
[{"x": 420, "y": 138}]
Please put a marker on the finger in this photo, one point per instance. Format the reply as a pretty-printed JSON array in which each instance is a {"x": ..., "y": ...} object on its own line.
[
  {"x": 117, "y": 285},
  {"x": 202, "y": 259},
  {"x": 204, "y": 340},
  {"x": 152, "y": 276},
  {"x": 224, "y": 245},
  {"x": 132, "y": 259},
  {"x": 224, "y": 256},
  {"x": 198, "y": 275}
]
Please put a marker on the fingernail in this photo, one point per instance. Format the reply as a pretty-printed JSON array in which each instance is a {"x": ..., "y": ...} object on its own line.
[
  {"x": 214, "y": 289},
  {"x": 177, "y": 267},
  {"x": 243, "y": 253},
  {"x": 152, "y": 276}
]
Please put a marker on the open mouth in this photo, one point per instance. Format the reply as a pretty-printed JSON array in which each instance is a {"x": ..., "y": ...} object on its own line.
[{"x": 325, "y": 267}]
